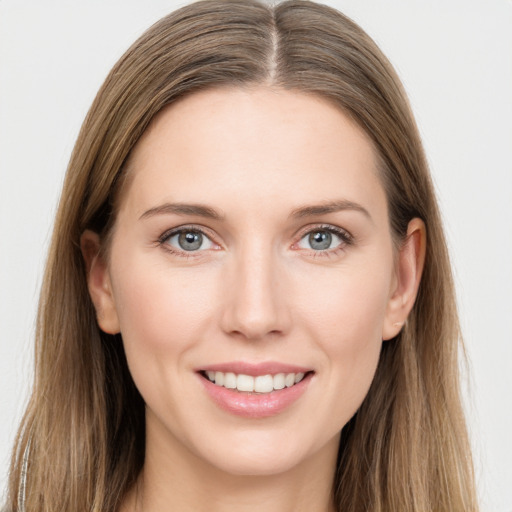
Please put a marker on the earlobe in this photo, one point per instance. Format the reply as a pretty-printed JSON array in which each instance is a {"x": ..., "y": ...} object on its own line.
[
  {"x": 98, "y": 282},
  {"x": 411, "y": 259}
]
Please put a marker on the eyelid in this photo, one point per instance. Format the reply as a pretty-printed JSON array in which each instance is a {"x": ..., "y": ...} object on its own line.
[
  {"x": 164, "y": 237},
  {"x": 346, "y": 237}
]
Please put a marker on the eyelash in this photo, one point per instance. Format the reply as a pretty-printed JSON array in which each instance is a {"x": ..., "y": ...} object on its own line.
[
  {"x": 346, "y": 240},
  {"x": 176, "y": 231}
]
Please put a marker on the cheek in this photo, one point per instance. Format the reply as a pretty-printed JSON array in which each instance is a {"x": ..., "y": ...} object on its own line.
[
  {"x": 344, "y": 313},
  {"x": 347, "y": 306},
  {"x": 161, "y": 308},
  {"x": 163, "y": 314}
]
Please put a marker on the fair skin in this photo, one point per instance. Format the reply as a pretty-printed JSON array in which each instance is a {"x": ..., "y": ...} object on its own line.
[{"x": 289, "y": 261}]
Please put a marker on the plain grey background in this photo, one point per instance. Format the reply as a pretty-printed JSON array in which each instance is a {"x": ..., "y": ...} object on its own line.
[{"x": 455, "y": 59}]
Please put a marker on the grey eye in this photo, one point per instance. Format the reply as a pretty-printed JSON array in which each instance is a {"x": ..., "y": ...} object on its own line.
[
  {"x": 189, "y": 240},
  {"x": 320, "y": 240}
]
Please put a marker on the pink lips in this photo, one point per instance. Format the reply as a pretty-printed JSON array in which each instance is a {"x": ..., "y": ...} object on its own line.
[
  {"x": 255, "y": 405},
  {"x": 254, "y": 370}
]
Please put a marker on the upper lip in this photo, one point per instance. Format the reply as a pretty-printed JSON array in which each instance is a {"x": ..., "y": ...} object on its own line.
[{"x": 254, "y": 369}]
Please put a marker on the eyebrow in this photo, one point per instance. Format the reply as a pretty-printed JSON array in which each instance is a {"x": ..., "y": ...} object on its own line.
[
  {"x": 329, "y": 207},
  {"x": 199, "y": 210}
]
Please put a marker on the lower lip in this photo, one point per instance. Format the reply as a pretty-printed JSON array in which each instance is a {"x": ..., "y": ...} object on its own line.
[{"x": 255, "y": 405}]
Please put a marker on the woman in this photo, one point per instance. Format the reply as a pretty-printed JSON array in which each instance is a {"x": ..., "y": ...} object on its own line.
[{"x": 248, "y": 297}]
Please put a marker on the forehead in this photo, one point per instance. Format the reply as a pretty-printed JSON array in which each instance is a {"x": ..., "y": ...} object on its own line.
[{"x": 242, "y": 145}]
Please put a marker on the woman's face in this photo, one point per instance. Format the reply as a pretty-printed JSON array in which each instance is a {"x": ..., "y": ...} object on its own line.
[{"x": 252, "y": 248}]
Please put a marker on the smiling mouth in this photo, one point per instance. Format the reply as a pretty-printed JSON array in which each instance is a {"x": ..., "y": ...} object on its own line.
[{"x": 261, "y": 384}]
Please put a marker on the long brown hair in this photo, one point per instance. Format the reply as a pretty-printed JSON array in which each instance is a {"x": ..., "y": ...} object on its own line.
[{"x": 81, "y": 442}]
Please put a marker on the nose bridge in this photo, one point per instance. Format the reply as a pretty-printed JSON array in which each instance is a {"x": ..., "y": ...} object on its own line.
[{"x": 255, "y": 304}]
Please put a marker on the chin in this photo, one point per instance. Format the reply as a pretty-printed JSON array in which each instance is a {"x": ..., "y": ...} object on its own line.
[
  {"x": 268, "y": 464},
  {"x": 259, "y": 453}
]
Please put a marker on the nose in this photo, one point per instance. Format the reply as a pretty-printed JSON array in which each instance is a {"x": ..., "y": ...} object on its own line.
[{"x": 255, "y": 304}]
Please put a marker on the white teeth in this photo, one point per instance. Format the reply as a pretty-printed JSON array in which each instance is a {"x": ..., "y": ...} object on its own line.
[
  {"x": 279, "y": 381},
  {"x": 260, "y": 384},
  {"x": 219, "y": 378},
  {"x": 289, "y": 380},
  {"x": 229, "y": 381},
  {"x": 263, "y": 384},
  {"x": 244, "y": 383}
]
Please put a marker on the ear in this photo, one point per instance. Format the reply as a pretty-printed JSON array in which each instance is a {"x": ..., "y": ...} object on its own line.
[
  {"x": 98, "y": 282},
  {"x": 411, "y": 259}
]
